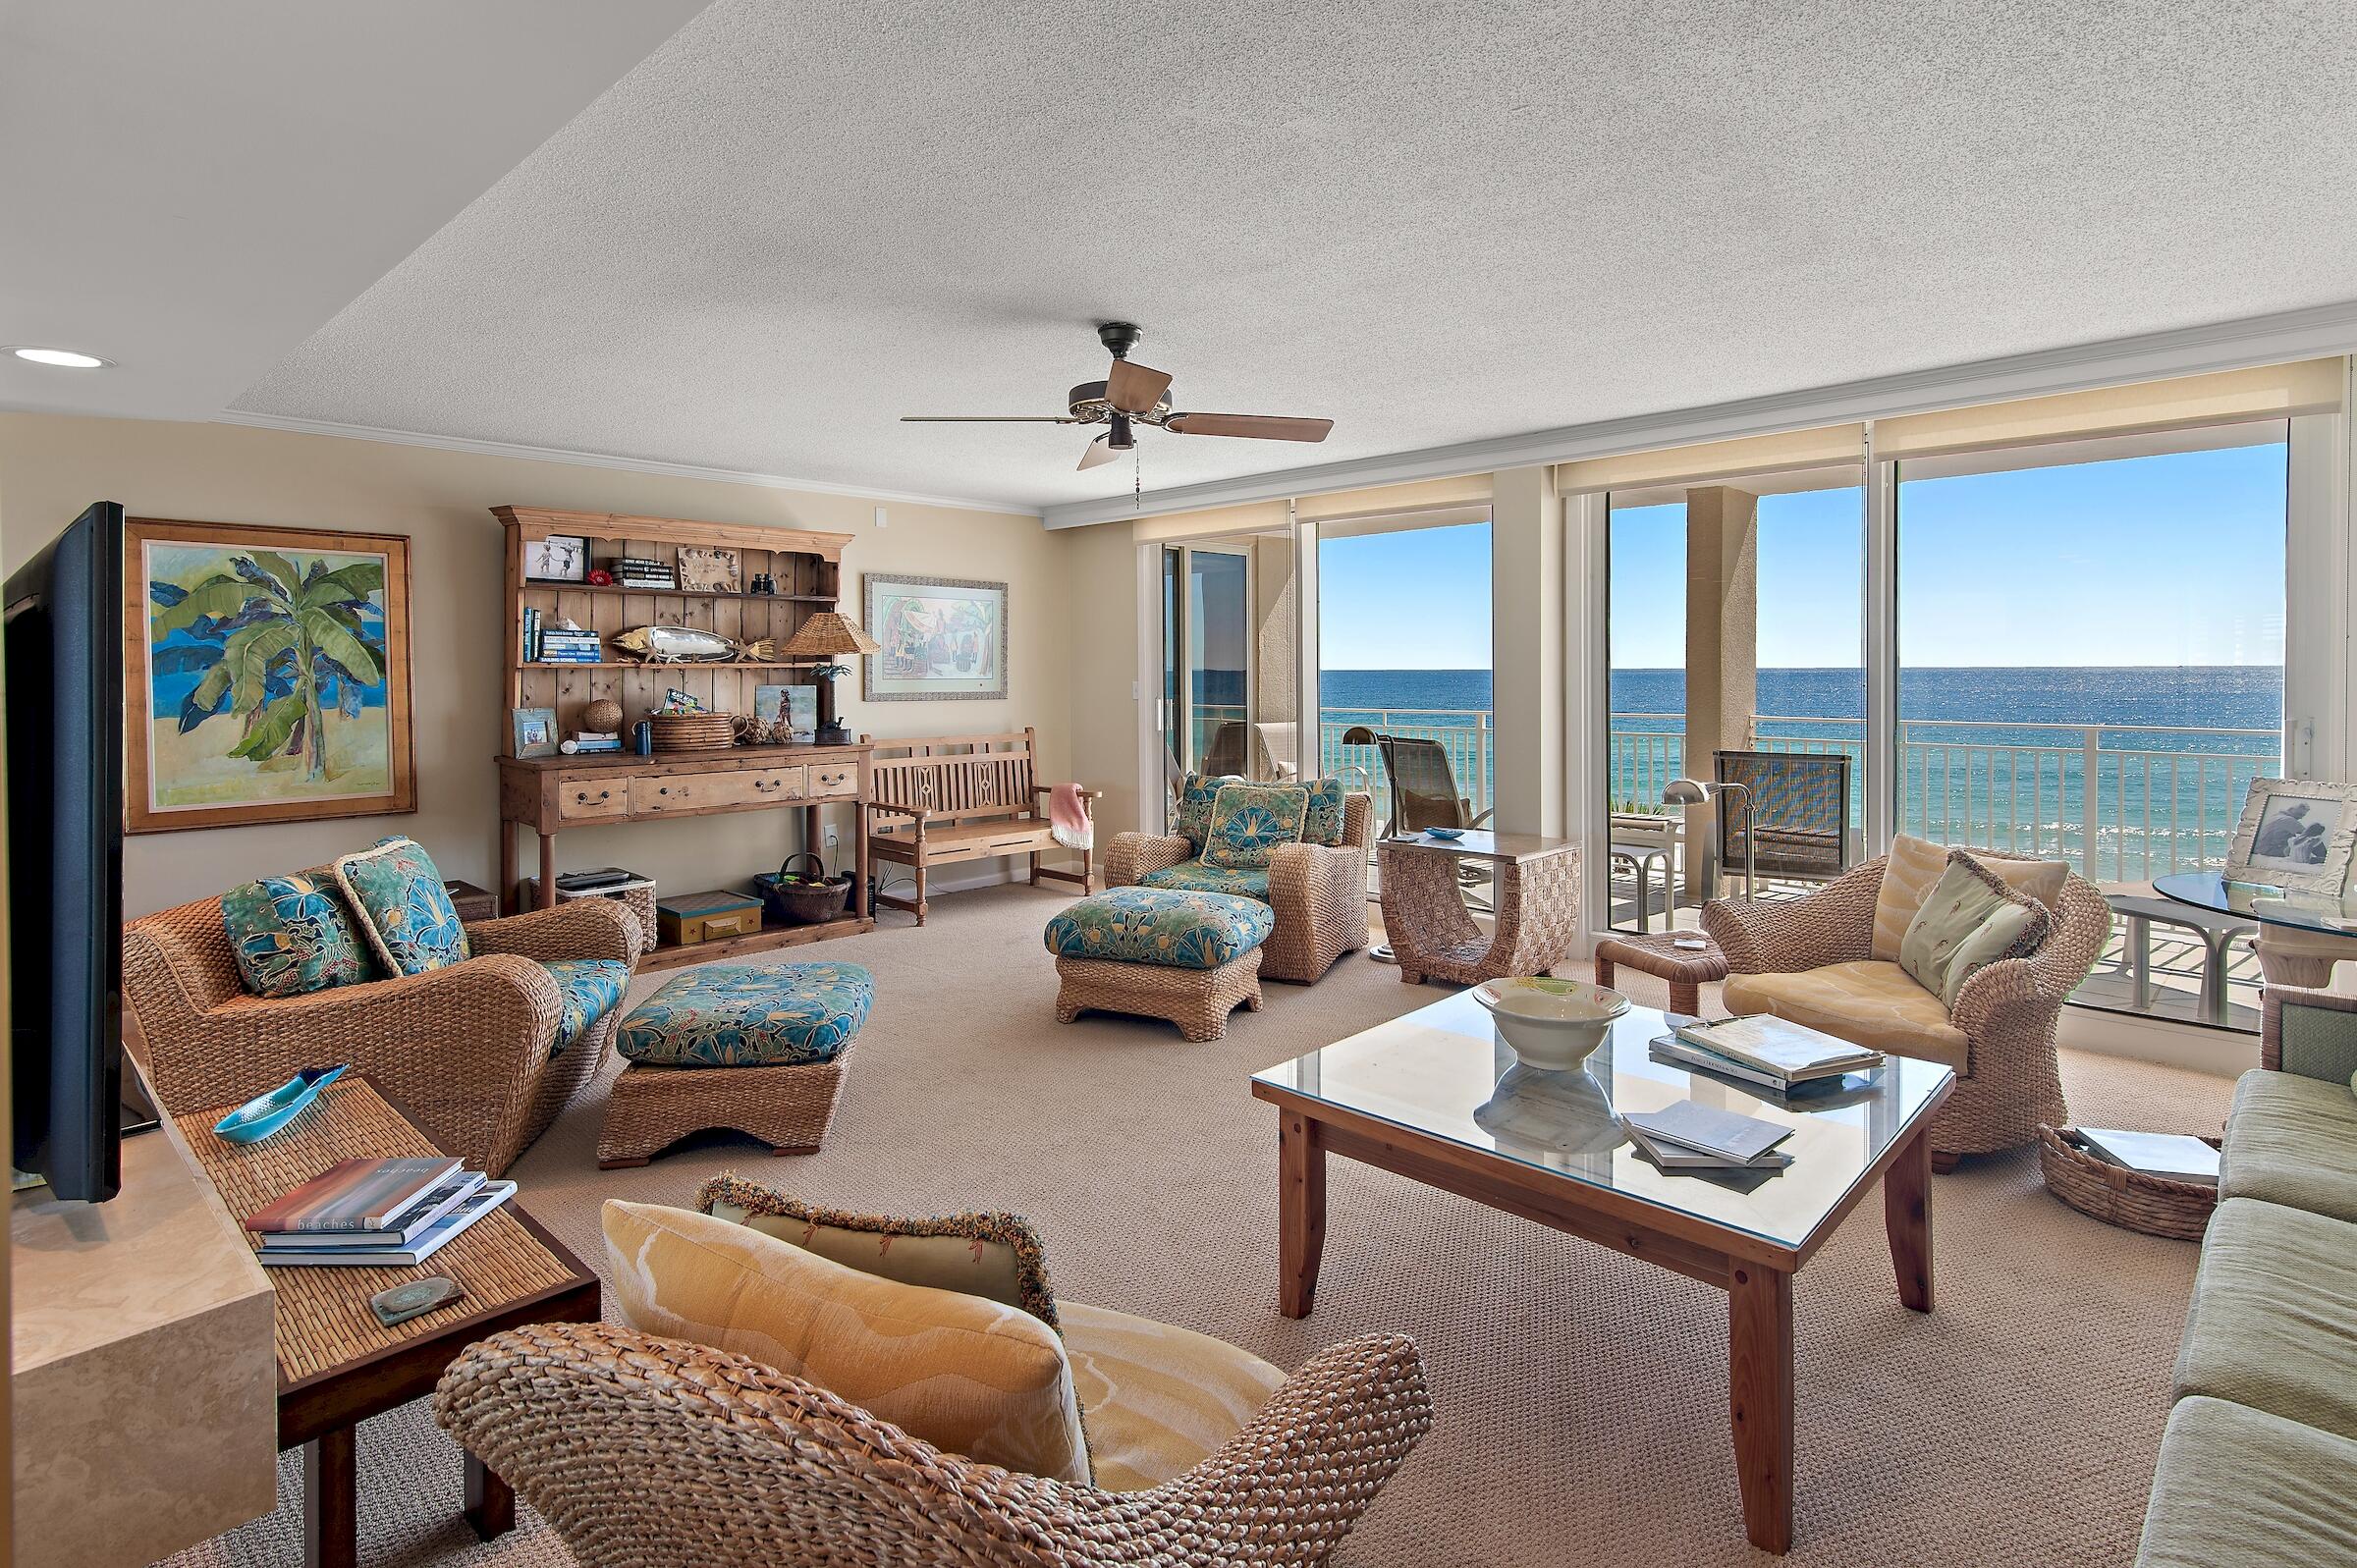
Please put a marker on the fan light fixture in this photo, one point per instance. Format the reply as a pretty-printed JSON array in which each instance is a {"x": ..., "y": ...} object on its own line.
[{"x": 61, "y": 359}]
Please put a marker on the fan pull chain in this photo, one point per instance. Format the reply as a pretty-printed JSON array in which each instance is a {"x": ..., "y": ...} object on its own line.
[{"x": 1138, "y": 478}]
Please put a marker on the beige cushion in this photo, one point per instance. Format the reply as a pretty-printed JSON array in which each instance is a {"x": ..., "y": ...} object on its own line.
[
  {"x": 1914, "y": 868},
  {"x": 1160, "y": 1399},
  {"x": 974, "y": 1377},
  {"x": 1970, "y": 920},
  {"x": 2274, "y": 1319},
  {"x": 2241, "y": 1489},
  {"x": 1865, "y": 1002},
  {"x": 2291, "y": 1140}
]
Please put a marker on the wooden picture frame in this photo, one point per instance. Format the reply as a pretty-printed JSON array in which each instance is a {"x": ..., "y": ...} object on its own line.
[
  {"x": 944, "y": 639},
  {"x": 532, "y": 732},
  {"x": 2296, "y": 835},
  {"x": 710, "y": 568},
  {"x": 247, "y": 696}
]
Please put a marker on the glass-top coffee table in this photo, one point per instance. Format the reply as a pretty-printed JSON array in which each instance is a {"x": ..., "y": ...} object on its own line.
[{"x": 1435, "y": 1095}]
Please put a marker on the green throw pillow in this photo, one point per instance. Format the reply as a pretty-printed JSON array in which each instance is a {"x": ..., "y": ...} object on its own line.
[
  {"x": 1194, "y": 805},
  {"x": 1969, "y": 920},
  {"x": 1324, "y": 824},
  {"x": 403, "y": 907},
  {"x": 292, "y": 936},
  {"x": 1247, "y": 821}
]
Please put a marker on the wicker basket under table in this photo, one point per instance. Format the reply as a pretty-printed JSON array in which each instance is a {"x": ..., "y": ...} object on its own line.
[
  {"x": 639, "y": 898},
  {"x": 2118, "y": 1196},
  {"x": 1197, "y": 1000},
  {"x": 787, "y": 1108}
]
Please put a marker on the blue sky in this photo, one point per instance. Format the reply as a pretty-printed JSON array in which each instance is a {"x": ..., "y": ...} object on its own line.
[{"x": 2174, "y": 560}]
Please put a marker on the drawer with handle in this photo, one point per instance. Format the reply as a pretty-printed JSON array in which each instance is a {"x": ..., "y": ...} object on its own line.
[
  {"x": 834, "y": 780},
  {"x": 708, "y": 792},
  {"x": 586, "y": 800}
]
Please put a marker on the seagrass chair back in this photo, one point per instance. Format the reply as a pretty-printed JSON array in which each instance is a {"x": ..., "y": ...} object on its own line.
[{"x": 1799, "y": 817}]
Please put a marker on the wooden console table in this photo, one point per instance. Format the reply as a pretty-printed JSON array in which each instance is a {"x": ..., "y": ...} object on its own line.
[{"x": 548, "y": 794}]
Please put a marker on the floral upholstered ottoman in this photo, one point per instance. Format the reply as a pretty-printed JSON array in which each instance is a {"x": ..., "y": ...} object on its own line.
[
  {"x": 757, "y": 1048},
  {"x": 1188, "y": 957}
]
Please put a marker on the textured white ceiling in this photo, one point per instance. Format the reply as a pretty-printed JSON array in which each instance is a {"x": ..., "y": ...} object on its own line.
[{"x": 1433, "y": 222}]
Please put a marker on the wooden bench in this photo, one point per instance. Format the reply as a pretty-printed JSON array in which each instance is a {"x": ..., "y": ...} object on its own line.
[{"x": 962, "y": 797}]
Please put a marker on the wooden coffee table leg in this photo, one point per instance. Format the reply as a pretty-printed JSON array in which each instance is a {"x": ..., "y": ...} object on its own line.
[
  {"x": 1759, "y": 1385},
  {"x": 331, "y": 1500},
  {"x": 1908, "y": 1216},
  {"x": 490, "y": 1502},
  {"x": 1301, "y": 1211}
]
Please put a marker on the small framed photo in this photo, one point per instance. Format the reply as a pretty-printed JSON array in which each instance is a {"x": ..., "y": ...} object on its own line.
[
  {"x": 787, "y": 711},
  {"x": 535, "y": 731},
  {"x": 2296, "y": 835},
  {"x": 708, "y": 569},
  {"x": 558, "y": 558}
]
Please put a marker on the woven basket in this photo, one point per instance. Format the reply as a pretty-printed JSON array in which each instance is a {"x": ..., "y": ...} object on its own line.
[
  {"x": 639, "y": 898},
  {"x": 694, "y": 732},
  {"x": 2118, "y": 1196}
]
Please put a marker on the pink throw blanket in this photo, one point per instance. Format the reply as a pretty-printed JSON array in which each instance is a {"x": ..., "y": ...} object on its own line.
[{"x": 1067, "y": 817}]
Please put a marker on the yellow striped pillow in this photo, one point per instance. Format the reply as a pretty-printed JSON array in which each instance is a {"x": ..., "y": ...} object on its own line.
[
  {"x": 1914, "y": 869},
  {"x": 974, "y": 1376}
]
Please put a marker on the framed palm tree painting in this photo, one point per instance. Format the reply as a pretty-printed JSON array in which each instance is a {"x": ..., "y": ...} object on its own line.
[{"x": 267, "y": 673}]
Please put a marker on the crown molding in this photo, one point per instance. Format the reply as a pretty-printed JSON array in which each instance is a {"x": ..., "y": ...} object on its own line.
[
  {"x": 2153, "y": 357},
  {"x": 600, "y": 459}
]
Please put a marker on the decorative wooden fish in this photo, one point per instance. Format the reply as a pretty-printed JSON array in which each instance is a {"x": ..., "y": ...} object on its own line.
[{"x": 672, "y": 645}]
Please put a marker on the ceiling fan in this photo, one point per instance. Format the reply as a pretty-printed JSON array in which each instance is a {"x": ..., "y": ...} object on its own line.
[{"x": 1132, "y": 395}]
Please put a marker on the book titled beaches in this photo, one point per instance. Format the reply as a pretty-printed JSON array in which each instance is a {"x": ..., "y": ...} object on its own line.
[{"x": 354, "y": 1195}]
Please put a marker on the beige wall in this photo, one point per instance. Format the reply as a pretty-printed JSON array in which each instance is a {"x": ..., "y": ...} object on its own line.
[
  {"x": 1101, "y": 563},
  {"x": 55, "y": 466}
]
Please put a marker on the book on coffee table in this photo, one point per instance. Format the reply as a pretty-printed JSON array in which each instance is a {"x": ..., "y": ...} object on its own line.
[
  {"x": 1676, "y": 1157},
  {"x": 1734, "y": 1138},
  {"x": 1783, "y": 1050},
  {"x": 354, "y": 1195}
]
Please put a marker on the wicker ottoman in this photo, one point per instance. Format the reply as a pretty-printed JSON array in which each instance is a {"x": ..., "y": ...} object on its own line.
[
  {"x": 1188, "y": 957},
  {"x": 756, "y": 1048}
]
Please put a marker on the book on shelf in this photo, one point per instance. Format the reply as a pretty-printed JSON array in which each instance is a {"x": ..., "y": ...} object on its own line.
[
  {"x": 1737, "y": 1139},
  {"x": 354, "y": 1195},
  {"x": 592, "y": 748},
  {"x": 2168, "y": 1154},
  {"x": 1673, "y": 1156},
  {"x": 596, "y": 734},
  {"x": 405, "y": 1228},
  {"x": 531, "y": 635},
  {"x": 470, "y": 1208},
  {"x": 1781, "y": 1048}
]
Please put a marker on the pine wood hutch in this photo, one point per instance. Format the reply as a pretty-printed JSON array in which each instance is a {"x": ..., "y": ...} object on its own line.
[{"x": 548, "y": 794}]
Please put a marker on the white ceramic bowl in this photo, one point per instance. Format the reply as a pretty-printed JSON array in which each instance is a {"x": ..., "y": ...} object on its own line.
[{"x": 1555, "y": 1024}]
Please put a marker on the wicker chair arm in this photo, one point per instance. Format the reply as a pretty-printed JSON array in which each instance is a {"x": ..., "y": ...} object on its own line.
[
  {"x": 2045, "y": 979},
  {"x": 1134, "y": 854},
  {"x": 1358, "y": 822},
  {"x": 1317, "y": 874},
  {"x": 585, "y": 928},
  {"x": 1833, "y": 925},
  {"x": 1049, "y": 790}
]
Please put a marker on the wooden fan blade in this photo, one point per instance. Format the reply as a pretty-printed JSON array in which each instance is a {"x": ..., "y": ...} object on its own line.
[
  {"x": 1099, "y": 451},
  {"x": 989, "y": 419},
  {"x": 1135, "y": 388},
  {"x": 1258, "y": 427}
]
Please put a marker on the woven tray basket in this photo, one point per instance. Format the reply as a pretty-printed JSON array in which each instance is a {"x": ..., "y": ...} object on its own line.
[
  {"x": 694, "y": 732},
  {"x": 2118, "y": 1196}
]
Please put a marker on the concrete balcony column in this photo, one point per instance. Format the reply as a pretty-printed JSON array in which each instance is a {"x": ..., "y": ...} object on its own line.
[
  {"x": 1528, "y": 659},
  {"x": 1723, "y": 640}
]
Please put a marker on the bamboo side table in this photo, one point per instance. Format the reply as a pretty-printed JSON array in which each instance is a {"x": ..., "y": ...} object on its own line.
[
  {"x": 1537, "y": 894},
  {"x": 337, "y": 1365}
]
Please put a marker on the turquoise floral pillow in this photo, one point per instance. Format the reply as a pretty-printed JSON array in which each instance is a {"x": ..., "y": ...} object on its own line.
[
  {"x": 1247, "y": 821},
  {"x": 1324, "y": 824},
  {"x": 292, "y": 936},
  {"x": 403, "y": 907},
  {"x": 1194, "y": 805}
]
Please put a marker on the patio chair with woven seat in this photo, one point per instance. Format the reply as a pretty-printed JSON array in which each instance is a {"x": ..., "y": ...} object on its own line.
[
  {"x": 1797, "y": 826},
  {"x": 1424, "y": 795}
]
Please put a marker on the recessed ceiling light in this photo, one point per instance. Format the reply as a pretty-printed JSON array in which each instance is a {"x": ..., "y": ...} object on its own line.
[{"x": 65, "y": 359}]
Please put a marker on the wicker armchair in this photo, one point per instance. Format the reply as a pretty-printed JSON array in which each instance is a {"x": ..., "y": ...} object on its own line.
[
  {"x": 642, "y": 1452},
  {"x": 2008, "y": 1080},
  {"x": 467, "y": 1049},
  {"x": 1318, "y": 894}
]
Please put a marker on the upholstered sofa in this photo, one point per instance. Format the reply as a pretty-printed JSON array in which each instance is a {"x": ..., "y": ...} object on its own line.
[
  {"x": 2260, "y": 1455},
  {"x": 1317, "y": 892}
]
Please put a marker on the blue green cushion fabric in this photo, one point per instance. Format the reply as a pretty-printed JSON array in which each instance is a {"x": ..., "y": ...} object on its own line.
[
  {"x": 591, "y": 988},
  {"x": 403, "y": 907},
  {"x": 294, "y": 936},
  {"x": 1195, "y": 799},
  {"x": 1247, "y": 821},
  {"x": 1324, "y": 824},
  {"x": 1159, "y": 926},
  {"x": 749, "y": 1015},
  {"x": 1194, "y": 876}
]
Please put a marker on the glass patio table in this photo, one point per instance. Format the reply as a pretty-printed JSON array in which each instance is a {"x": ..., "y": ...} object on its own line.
[
  {"x": 2318, "y": 912},
  {"x": 1438, "y": 1097}
]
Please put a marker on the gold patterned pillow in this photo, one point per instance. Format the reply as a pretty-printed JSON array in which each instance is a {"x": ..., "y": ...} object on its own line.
[
  {"x": 1915, "y": 864},
  {"x": 974, "y": 1376}
]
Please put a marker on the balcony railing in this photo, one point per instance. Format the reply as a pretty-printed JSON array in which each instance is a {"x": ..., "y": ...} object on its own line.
[{"x": 1464, "y": 734}]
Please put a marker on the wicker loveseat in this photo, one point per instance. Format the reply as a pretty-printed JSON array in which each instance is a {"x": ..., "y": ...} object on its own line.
[
  {"x": 1318, "y": 894},
  {"x": 2000, "y": 1037},
  {"x": 466, "y": 1050},
  {"x": 642, "y": 1451}
]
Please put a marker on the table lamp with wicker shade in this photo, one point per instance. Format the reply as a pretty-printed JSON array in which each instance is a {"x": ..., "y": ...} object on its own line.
[{"x": 827, "y": 635}]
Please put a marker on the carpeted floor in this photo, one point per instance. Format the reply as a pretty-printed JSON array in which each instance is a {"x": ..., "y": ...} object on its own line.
[{"x": 1581, "y": 1396}]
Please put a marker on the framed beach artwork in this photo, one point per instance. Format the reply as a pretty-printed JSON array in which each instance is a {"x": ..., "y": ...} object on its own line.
[
  {"x": 266, "y": 674},
  {"x": 2296, "y": 835},
  {"x": 943, "y": 638}
]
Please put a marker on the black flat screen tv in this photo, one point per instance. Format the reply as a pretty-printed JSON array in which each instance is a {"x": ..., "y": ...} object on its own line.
[{"x": 65, "y": 857}]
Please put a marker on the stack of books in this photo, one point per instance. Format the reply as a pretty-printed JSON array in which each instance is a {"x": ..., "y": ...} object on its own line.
[
  {"x": 1766, "y": 1052},
  {"x": 638, "y": 571},
  {"x": 2168, "y": 1154},
  {"x": 1687, "y": 1138},
  {"x": 570, "y": 645},
  {"x": 595, "y": 740},
  {"x": 375, "y": 1213}
]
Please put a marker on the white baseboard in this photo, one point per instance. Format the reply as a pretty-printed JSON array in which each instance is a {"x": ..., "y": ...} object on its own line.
[{"x": 2219, "y": 1052}]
